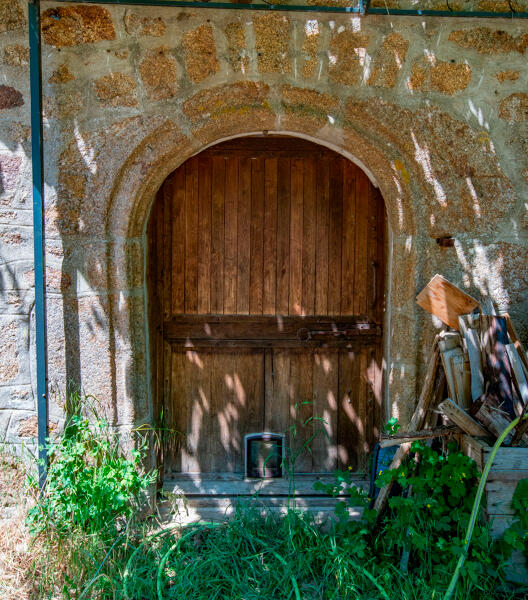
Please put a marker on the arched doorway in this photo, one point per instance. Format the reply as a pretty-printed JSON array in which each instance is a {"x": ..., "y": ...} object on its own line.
[{"x": 266, "y": 271}]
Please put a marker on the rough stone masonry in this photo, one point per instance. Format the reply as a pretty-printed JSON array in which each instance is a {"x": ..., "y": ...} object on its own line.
[{"x": 435, "y": 109}]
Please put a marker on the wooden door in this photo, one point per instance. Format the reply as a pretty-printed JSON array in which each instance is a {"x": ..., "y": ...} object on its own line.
[{"x": 265, "y": 275}]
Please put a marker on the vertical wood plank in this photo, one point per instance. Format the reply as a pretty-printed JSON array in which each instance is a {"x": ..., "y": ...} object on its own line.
[
  {"x": 361, "y": 273},
  {"x": 167, "y": 398},
  {"x": 196, "y": 458},
  {"x": 191, "y": 235},
  {"x": 309, "y": 237},
  {"x": 296, "y": 236},
  {"x": 283, "y": 236},
  {"x": 301, "y": 410},
  {"x": 178, "y": 242},
  {"x": 347, "y": 419},
  {"x": 325, "y": 393},
  {"x": 177, "y": 413},
  {"x": 361, "y": 409},
  {"x": 204, "y": 235},
  {"x": 248, "y": 377},
  {"x": 349, "y": 239},
  {"x": 373, "y": 267},
  {"x": 167, "y": 245},
  {"x": 321, "y": 251},
  {"x": 270, "y": 237},
  {"x": 277, "y": 399},
  {"x": 231, "y": 223},
  {"x": 244, "y": 233},
  {"x": 335, "y": 235},
  {"x": 222, "y": 428},
  {"x": 217, "y": 235},
  {"x": 380, "y": 272},
  {"x": 257, "y": 237}
]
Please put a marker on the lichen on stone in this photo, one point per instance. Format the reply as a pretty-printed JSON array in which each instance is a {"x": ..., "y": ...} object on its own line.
[
  {"x": 389, "y": 61},
  {"x": 439, "y": 76},
  {"x": 61, "y": 75},
  {"x": 509, "y": 75},
  {"x": 311, "y": 105},
  {"x": 159, "y": 73},
  {"x": 116, "y": 89},
  {"x": 489, "y": 41},
  {"x": 272, "y": 34},
  {"x": 62, "y": 105},
  {"x": 73, "y": 25},
  {"x": 11, "y": 15},
  {"x": 200, "y": 53},
  {"x": 138, "y": 26},
  {"x": 312, "y": 35},
  {"x": 514, "y": 108},
  {"x": 237, "y": 97},
  {"x": 16, "y": 55},
  {"x": 236, "y": 46},
  {"x": 346, "y": 55}
]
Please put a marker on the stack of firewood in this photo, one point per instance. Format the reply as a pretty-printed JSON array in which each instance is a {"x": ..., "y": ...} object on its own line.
[{"x": 477, "y": 377}]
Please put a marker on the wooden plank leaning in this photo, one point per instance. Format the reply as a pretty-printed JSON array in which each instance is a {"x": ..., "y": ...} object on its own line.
[
  {"x": 462, "y": 419},
  {"x": 415, "y": 424}
]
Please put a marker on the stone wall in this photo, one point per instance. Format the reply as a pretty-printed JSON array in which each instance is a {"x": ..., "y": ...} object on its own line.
[{"x": 435, "y": 110}]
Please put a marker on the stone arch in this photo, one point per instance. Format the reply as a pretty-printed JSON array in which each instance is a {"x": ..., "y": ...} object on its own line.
[{"x": 160, "y": 153}]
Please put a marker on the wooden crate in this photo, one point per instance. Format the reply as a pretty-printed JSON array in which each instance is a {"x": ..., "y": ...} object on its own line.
[{"x": 509, "y": 467}]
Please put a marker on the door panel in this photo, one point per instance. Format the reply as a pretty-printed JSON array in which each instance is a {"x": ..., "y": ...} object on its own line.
[{"x": 253, "y": 244}]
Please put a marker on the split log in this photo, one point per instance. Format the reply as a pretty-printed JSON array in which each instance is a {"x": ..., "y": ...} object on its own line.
[
  {"x": 490, "y": 412},
  {"x": 469, "y": 327},
  {"x": 416, "y": 436},
  {"x": 519, "y": 378},
  {"x": 512, "y": 332},
  {"x": 493, "y": 342},
  {"x": 462, "y": 419},
  {"x": 446, "y": 301}
]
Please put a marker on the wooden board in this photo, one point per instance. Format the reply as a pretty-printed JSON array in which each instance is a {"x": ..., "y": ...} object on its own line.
[{"x": 446, "y": 301}]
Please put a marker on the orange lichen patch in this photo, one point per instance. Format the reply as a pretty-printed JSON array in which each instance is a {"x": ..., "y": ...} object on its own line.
[
  {"x": 347, "y": 49},
  {"x": 116, "y": 89},
  {"x": 61, "y": 75},
  {"x": 200, "y": 53},
  {"x": 514, "y": 108},
  {"x": 418, "y": 78},
  {"x": 310, "y": 46},
  {"x": 507, "y": 76},
  {"x": 500, "y": 6},
  {"x": 158, "y": 73},
  {"x": 121, "y": 54},
  {"x": 73, "y": 25},
  {"x": 225, "y": 99},
  {"x": 63, "y": 105},
  {"x": 272, "y": 33},
  {"x": 389, "y": 61},
  {"x": 439, "y": 76},
  {"x": 16, "y": 55},
  {"x": 11, "y": 15},
  {"x": 450, "y": 78},
  {"x": 236, "y": 46},
  {"x": 9, "y": 366},
  {"x": 137, "y": 25},
  {"x": 489, "y": 41}
]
